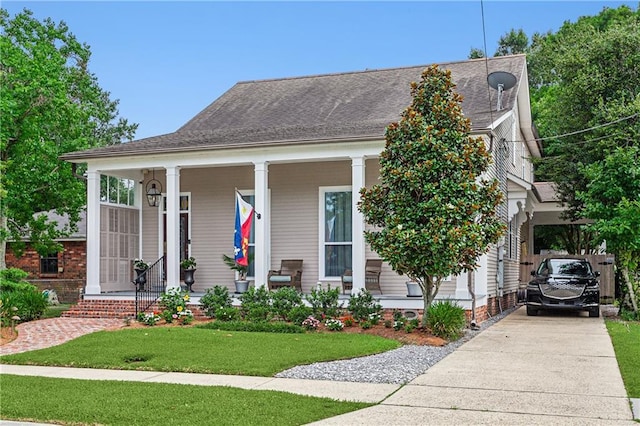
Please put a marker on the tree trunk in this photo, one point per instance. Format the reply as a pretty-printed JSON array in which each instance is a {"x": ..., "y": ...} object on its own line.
[
  {"x": 3, "y": 243},
  {"x": 632, "y": 294},
  {"x": 429, "y": 291},
  {"x": 471, "y": 286}
]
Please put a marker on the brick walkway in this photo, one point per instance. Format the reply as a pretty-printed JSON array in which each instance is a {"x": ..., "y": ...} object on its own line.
[{"x": 54, "y": 331}]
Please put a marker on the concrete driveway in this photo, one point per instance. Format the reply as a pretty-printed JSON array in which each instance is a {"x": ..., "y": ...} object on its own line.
[{"x": 556, "y": 368}]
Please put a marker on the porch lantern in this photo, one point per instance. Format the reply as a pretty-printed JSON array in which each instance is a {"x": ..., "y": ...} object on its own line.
[{"x": 154, "y": 195}]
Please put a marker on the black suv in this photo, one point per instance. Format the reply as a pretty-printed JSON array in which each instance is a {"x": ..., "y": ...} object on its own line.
[{"x": 569, "y": 284}]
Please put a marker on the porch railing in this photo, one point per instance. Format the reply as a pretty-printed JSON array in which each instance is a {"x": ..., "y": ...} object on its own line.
[{"x": 149, "y": 286}]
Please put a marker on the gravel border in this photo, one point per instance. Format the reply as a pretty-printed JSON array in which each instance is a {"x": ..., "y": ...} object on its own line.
[{"x": 397, "y": 366}]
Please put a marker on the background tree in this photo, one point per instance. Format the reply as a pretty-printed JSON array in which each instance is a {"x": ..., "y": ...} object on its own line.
[
  {"x": 512, "y": 43},
  {"x": 50, "y": 104},
  {"x": 476, "y": 53},
  {"x": 434, "y": 213},
  {"x": 586, "y": 88},
  {"x": 612, "y": 200},
  {"x": 585, "y": 76}
]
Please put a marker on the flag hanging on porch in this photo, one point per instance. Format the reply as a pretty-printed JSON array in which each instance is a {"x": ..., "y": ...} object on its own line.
[{"x": 244, "y": 218}]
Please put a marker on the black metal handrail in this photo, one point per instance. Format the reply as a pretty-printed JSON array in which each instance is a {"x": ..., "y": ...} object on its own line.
[{"x": 149, "y": 285}]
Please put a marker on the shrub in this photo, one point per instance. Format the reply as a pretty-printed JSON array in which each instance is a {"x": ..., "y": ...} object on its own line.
[
  {"x": 174, "y": 301},
  {"x": 257, "y": 326},
  {"x": 446, "y": 319},
  {"x": 399, "y": 324},
  {"x": 347, "y": 320},
  {"x": 12, "y": 280},
  {"x": 148, "y": 318},
  {"x": 29, "y": 303},
  {"x": 362, "y": 305},
  {"x": 334, "y": 324},
  {"x": 366, "y": 324},
  {"x": 12, "y": 275},
  {"x": 256, "y": 304},
  {"x": 215, "y": 298},
  {"x": 325, "y": 302},
  {"x": 227, "y": 313},
  {"x": 299, "y": 313},
  {"x": 397, "y": 315},
  {"x": 375, "y": 318},
  {"x": 283, "y": 301},
  {"x": 388, "y": 323},
  {"x": 311, "y": 323}
]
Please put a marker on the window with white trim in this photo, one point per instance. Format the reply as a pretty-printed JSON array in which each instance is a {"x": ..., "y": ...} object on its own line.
[
  {"x": 119, "y": 191},
  {"x": 335, "y": 230}
]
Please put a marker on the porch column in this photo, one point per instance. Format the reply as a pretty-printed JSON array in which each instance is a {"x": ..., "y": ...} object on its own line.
[
  {"x": 173, "y": 227},
  {"x": 462, "y": 288},
  {"x": 93, "y": 233},
  {"x": 357, "y": 224},
  {"x": 261, "y": 260},
  {"x": 481, "y": 280}
]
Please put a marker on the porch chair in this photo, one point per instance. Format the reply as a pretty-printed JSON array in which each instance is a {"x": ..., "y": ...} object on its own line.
[
  {"x": 372, "y": 270},
  {"x": 289, "y": 275}
]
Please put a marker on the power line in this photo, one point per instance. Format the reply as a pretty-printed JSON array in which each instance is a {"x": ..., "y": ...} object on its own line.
[{"x": 590, "y": 128}]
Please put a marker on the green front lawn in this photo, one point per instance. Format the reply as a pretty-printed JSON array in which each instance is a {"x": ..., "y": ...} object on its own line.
[
  {"x": 54, "y": 311},
  {"x": 195, "y": 350},
  {"x": 70, "y": 401},
  {"x": 625, "y": 336}
]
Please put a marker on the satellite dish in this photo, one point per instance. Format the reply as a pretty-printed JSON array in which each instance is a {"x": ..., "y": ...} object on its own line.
[
  {"x": 498, "y": 78},
  {"x": 501, "y": 81}
]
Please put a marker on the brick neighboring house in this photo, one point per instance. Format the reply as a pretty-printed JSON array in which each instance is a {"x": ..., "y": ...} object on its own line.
[{"x": 66, "y": 271}]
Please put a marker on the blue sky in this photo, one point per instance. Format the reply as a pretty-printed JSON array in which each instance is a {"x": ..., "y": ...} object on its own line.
[{"x": 166, "y": 61}]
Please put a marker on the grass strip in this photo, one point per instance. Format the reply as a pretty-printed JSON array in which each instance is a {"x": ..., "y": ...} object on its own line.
[
  {"x": 625, "y": 336},
  {"x": 44, "y": 399},
  {"x": 194, "y": 350},
  {"x": 55, "y": 311}
]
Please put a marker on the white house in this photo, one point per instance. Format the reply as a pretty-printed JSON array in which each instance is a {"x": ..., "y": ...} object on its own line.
[{"x": 298, "y": 149}]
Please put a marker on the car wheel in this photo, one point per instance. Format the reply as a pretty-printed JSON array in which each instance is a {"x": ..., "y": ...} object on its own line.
[
  {"x": 531, "y": 311},
  {"x": 594, "y": 312}
]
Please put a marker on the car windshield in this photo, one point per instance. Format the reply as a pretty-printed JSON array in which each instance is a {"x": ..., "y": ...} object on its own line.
[{"x": 568, "y": 267}]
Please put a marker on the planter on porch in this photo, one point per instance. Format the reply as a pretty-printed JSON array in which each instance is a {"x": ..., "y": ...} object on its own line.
[
  {"x": 242, "y": 286},
  {"x": 141, "y": 279},
  {"x": 189, "y": 279}
]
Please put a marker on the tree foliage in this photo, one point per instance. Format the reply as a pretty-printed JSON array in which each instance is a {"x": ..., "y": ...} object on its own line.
[
  {"x": 612, "y": 199},
  {"x": 476, "y": 53},
  {"x": 433, "y": 211},
  {"x": 50, "y": 104},
  {"x": 586, "y": 90},
  {"x": 512, "y": 43},
  {"x": 586, "y": 76}
]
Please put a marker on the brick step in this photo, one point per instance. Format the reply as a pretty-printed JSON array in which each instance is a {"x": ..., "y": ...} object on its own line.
[{"x": 118, "y": 309}]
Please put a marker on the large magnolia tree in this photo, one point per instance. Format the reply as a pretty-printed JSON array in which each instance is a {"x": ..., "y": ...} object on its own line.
[
  {"x": 50, "y": 104},
  {"x": 433, "y": 211}
]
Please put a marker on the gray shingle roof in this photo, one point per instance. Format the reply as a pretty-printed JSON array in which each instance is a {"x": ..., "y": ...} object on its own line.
[
  {"x": 320, "y": 108},
  {"x": 546, "y": 192}
]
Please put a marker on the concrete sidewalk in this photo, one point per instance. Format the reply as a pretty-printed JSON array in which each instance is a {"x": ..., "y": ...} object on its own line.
[
  {"x": 521, "y": 371},
  {"x": 550, "y": 369},
  {"x": 347, "y": 391}
]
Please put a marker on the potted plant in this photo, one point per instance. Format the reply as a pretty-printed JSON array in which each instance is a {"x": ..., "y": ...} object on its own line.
[
  {"x": 189, "y": 267},
  {"x": 140, "y": 266},
  {"x": 242, "y": 284}
]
